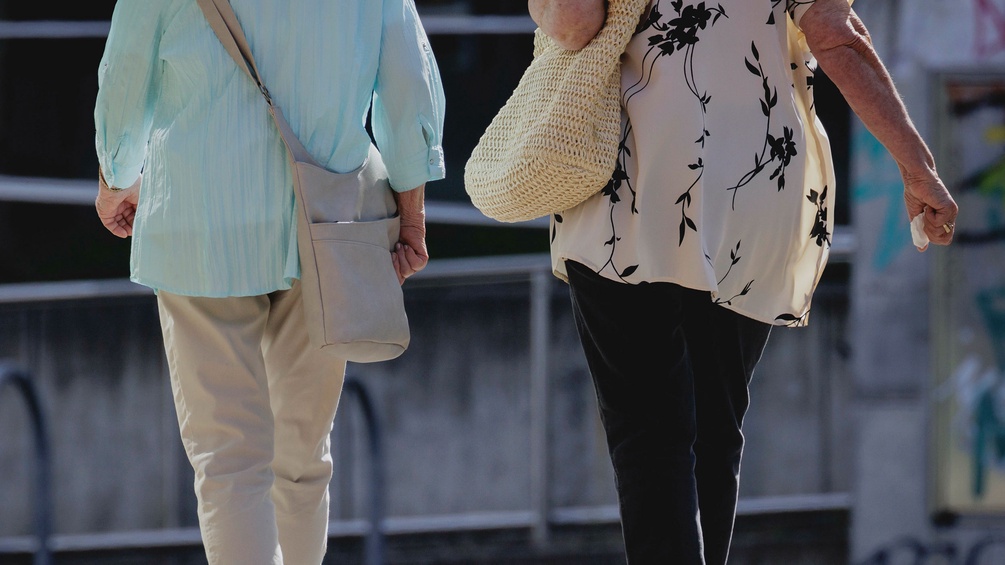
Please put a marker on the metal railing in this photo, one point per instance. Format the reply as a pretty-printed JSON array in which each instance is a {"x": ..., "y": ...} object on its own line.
[
  {"x": 44, "y": 547},
  {"x": 375, "y": 544},
  {"x": 21, "y": 381},
  {"x": 540, "y": 518},
  {"x": 909, "y": 550}
]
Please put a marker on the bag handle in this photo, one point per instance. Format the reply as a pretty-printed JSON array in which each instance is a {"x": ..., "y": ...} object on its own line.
[{"x": 221, "y": 17}]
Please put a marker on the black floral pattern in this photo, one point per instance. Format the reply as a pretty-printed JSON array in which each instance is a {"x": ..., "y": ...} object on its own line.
[
  {"x": 791, "y": 320},
  {"x": 734, "y": 258},
  {"x": 775, "y": 149},
  {"x": 669, "y": 41},
  {"x": 671, "y": 35},
  {"x": 819, "y": 232}
]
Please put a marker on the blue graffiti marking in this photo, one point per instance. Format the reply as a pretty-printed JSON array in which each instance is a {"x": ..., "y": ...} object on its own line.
[{"x": 876, "y": 177}]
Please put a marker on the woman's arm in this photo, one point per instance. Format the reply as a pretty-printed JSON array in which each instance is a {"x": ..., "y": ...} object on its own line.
[
  {"x": 571, "y": 23},
  {"x": 842, "y": 47},
  {"x": 123, "y": 109},
  {"x": 410, "y": 254},
  {"x": 409, "y": 104},
  {"x": 127, "y": 75}
]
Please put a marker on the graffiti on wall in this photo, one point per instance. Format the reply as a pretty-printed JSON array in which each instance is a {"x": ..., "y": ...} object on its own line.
[
  {"x": 878, "y": 184},
  {"x": 989, "y": 28},
  {"x": 970, "y": 399}
]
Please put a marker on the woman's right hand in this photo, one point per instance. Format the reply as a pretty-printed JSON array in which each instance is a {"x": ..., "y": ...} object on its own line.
[
  {"x": 409, "y": 255},
  {"x": 926, "y": 194}
]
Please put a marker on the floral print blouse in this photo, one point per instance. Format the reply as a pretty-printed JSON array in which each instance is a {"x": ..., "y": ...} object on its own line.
[{"x": 724, "y": 180}]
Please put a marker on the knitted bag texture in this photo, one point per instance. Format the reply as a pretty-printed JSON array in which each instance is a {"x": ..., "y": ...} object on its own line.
[{"x": 554, "y": 143}]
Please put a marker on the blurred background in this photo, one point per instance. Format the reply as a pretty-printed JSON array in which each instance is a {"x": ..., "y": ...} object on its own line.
[{"x": 876, "y": 435}]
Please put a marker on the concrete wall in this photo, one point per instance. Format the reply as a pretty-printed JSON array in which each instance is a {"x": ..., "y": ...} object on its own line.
[
  {"x": 455, "y": 410},
  {"x": 101, "y": 378},
  {"x": 895, "y": 290}
]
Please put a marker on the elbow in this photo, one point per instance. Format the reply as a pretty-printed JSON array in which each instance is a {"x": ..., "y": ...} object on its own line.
[
  {"x": 836, "y": 43},
  {"x": 829, "y": 30},
  {"x": 837, "y": 53}
]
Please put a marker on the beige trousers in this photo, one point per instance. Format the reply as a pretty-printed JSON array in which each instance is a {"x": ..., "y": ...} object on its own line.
[{"x": 255, "y": 407}]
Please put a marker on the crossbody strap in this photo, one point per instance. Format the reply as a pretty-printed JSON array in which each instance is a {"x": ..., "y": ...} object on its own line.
[{"x": 221, "y": 17}]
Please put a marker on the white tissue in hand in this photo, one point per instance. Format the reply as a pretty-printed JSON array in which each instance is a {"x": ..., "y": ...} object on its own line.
[{"x": 918, "y": 231}]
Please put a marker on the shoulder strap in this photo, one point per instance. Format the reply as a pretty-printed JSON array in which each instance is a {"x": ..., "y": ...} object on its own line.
[{"x": 221, "y": 17}]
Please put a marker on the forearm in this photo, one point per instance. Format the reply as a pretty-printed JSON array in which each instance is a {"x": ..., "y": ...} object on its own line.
[
  {"x": 841, "y": 45},
  {"x": 127, "y": 75},
  {"x": 409, "y": 254},
  {"x": 411, "y": 205},
  {"x": 571, "y": 23},
  {"x": 408, "y": 107},
  {"x": 846, "y": 55}
]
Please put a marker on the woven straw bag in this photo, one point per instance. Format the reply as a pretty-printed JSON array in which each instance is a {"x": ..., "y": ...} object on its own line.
[{"x": 554, "y": 143}]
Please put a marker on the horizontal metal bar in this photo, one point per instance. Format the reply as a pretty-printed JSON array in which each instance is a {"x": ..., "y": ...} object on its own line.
[
  {"x": 477, "y": 25},
  {"x": 189, "y": 537},
  {"x": 818, "y": 502},
  {"x": 403, "y": 525},
  {"x": 107, "y": 541},
  {"x": 434, "y": 24},
  {"x": 458, "y": 213},
  {"x": 825, "y": 502},
  {"x": 474, "y": 521},
  {"x": 82, "y": 192},
  {"x": 48, "y": 191},
  {"x": 53, "y": 29},
  {"x": 490, "y": 266},
  {"x": 584, "y": 515},
  {"x": 496, "y": 266},
  {"x": 69, "y": 290},
  {"x": 19, "y": 544}
]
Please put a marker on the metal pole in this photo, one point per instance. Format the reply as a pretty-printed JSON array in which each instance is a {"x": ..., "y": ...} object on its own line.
[
  {"x": 43, "y": 516},
  {"x": 540, "y": 302},
  {"x": 976, "y": 554},
  {"x": 375, "y": 536}
]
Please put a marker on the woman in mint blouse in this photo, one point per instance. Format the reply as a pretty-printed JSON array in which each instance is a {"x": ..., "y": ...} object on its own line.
[{"x": 192, "y": 168}]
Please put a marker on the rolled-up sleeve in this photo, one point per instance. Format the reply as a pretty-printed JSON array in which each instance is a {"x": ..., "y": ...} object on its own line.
[
  {"x": 408, "y": 103},
  {"x": 127, "y": 75}
]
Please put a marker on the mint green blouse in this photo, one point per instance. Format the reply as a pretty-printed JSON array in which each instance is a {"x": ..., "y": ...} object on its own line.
[{"x": 216, "y": 215}]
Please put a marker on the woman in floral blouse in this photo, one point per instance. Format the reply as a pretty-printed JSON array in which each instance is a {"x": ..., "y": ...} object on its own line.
[{"x": 715, "y": 227}]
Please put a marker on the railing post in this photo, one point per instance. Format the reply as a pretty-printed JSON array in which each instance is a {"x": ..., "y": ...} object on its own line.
[
  {"x": 540, "y": 330},
  {"x": 43, "y": 517},
  {"x": 974, "y": 556},
  {"x": 375, "y": 537}
]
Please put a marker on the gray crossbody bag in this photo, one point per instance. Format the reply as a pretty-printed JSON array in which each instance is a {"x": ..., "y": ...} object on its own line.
[{"x": 347, "y": 225}]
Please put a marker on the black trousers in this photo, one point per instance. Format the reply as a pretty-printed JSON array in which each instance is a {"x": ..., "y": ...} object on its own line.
[{"x": 671, "y": 371}]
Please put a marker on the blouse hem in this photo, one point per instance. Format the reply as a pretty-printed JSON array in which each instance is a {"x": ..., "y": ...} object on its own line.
[
  {"x": 156, "y": 287},
  {"x": 775, "y": 321}
]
